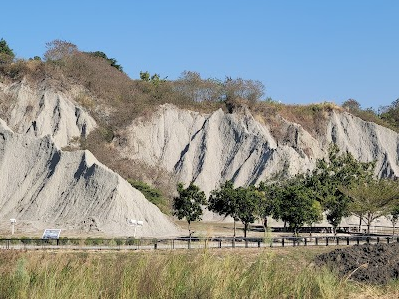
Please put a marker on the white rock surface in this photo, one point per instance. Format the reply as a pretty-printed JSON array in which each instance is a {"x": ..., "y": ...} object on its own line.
[
  {"x": 211, "y": 148},
  {"x": 366, "y": 141},
  {"x": 44, "y": 110},
  {"x": 45, "y": 187}
]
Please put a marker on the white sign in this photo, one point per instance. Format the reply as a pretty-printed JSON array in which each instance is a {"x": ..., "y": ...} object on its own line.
[
  {"x": 51, "y": 234},
  {"x": 135, "y": 223}
]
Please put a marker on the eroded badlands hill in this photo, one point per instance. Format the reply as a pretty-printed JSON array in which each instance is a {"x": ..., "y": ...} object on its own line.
[
  {"x": 43, "y": 186},
  {"x": 211, "y": 148},
  {"x": 184, "y": 145}
]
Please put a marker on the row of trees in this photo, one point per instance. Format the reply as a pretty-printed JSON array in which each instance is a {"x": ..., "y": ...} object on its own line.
[
  {"x": 339, "y": 186},
  {"x": 197, "y": 89}
]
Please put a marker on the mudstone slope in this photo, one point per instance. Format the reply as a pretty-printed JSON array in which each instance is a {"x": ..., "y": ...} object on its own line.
[{"x": 191, "y": 146}]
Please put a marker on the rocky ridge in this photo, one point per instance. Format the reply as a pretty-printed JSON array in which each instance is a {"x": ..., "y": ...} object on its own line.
[
  {"x": 45, "y": 110},
  {"x": 43, "y": 186},
  {"x": 211, "y": 148}
]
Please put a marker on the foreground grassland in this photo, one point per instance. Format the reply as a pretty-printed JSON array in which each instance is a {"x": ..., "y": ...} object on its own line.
[{"x": 251, "y": 273}]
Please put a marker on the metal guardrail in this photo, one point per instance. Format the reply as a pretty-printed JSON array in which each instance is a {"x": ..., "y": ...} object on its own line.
[{"x": 186, "y": 243}]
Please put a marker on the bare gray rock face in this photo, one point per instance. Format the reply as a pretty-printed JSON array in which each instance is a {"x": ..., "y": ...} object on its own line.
[
  {"x": 47, "y": 111},
  {"x": 45, "y": 187},
  {"x": 212, "y": 148},
  {"x": 367, "y": 141}
]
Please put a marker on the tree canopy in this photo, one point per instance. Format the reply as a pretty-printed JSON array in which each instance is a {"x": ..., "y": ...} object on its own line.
[
  {"x": 188, "y": 203},
  {"x": 372, "y": 199},
  {"x": 338, "y": 170},
  {"x": 296, "y": 203},
  {"x": 6, "y": 53},
  {"x": 111, "y": 61}
]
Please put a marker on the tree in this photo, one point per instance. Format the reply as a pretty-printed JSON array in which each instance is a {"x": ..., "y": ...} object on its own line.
[
  {"x": 58, "y": 50},
  {"x": 6, "y": 53},
  {"x": 240, "y": 203},
  {"x": 145, "y": 76},
  {"x": 194, "y": 88},
  {"x": 393, "y": 216},
  {"x": 266, "y": 203},
  {"x": 296, "y": 204},
  {"x": 247, "y": 199},
  {"x": 351, "y": 105},
  {"x": 224, "y": 202},
  {"x": 391, "y": 113},
  {"x": 243, "y": 89},
  {"x": 188, "y": 204},
  {"x": 111, "y": 61},
  {"x": 338, "y": 170},
  {"x": 372, "y": 199}
]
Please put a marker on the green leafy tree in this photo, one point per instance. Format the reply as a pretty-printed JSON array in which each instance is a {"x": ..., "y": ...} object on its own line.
[
  {"x": 296, "y": 204},
  {"x": 241, "y": 203},
  {"x": 145, "y": 76},
  {"x": 372, "y": 199},
  {"x": 189, "y": 204},
  {"x": 247, "y": 200},
  {"x": 224, "y": 202},
  {"x": 339, "y": 169},
  {"x": 267, "y": 202},
  {"x": 6, "y": 53}
]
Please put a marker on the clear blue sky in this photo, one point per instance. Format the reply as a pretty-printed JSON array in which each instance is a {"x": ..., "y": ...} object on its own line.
[{"x": 302, "y": 51}]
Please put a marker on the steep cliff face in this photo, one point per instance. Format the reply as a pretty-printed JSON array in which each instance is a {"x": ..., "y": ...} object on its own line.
[
  {"x": 43, "y": 186},
  {"x": 366, "y": 141},
  {"x": 211, "y": 148},
  {"x": 45, "y": 110}
]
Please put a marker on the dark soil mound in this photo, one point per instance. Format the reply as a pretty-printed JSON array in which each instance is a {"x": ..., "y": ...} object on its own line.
[{"x": 372, "y": 263}]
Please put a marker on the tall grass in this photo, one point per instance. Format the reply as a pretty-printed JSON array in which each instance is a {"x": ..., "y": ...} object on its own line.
[{"x": 164, "y": 274}]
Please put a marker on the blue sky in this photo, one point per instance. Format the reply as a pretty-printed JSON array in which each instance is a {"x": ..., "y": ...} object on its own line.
[{"x": 302, "y": 51}]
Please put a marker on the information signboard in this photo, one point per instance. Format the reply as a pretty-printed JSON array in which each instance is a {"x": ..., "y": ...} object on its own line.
[{"x": 51, "y": 234}]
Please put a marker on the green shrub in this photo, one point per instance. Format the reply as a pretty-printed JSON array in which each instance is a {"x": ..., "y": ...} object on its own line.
[{"x": 153, "y": 195}]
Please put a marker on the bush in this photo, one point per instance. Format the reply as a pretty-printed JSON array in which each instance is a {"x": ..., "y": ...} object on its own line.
[{"x": 153, "y": 195}]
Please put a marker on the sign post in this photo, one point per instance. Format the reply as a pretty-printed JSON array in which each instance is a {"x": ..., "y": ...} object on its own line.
[
  {"x": 135, "y": 223},
  {"x": 13, "y": 221}
]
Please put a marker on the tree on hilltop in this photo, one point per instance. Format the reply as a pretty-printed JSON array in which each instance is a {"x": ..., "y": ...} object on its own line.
[
  {"x": 59, "y": 49},
  {"x": 6, "y": 53},
  {"x": 111, "y": 61}
]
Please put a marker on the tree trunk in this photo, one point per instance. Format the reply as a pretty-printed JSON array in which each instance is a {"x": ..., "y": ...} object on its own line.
[
  {"x": 245, "y": 229},
  {"x": 265, "y": 223},
  {"x": 234, "y": 234},
  {"x": 360, "y": 224},
  {"x": 369, "y": 219},
  {"x": 335, "y": 231},
  {"x": 189, "y": 235}
]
